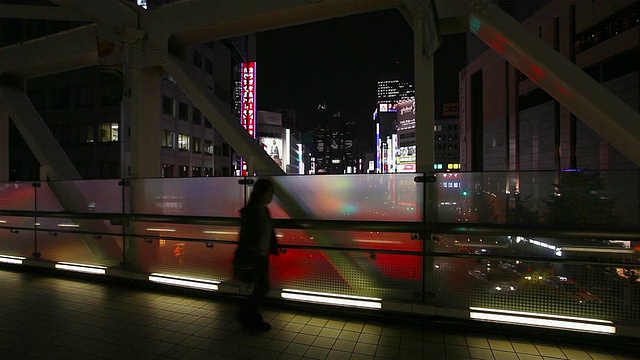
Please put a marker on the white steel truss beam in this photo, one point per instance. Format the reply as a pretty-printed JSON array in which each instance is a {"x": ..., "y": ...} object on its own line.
[
  {"x": 37, "y": 135},
  {"x": 64, "y": 51},
  {"x": 37, "y": 12}
]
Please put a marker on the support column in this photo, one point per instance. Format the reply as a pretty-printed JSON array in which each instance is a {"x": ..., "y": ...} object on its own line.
[
  {"x": 425, "y": 112},
  {"x": 146, "y": 124},
  {"x": 4, "y": 145},
  {"x": 425, "y": 144}
]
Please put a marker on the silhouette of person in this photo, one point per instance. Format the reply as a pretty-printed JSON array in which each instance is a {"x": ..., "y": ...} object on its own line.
[{"x": 251, "y": 261}]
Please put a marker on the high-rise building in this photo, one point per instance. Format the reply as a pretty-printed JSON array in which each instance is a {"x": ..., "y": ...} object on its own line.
[
  {"x": 87, "y": 110},
  {"x": 511, "y": 124},
  {"x": 390, "y": 92},
  {"x": 334, "y": 142}
]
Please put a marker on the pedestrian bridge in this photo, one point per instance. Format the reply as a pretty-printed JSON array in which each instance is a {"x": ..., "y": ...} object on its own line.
[{"x": 471, "y": 250}]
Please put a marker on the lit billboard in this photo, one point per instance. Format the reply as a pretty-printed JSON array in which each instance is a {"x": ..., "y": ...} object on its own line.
[
  {"x": 387, "y": 106},
  {"x": 406, "y": 119},
  {"x": 248, "y": 105},
  {"x": 274, "y": 147},
  {"x": 406, "y": 159},
  {"x": 406, "y": 114}
]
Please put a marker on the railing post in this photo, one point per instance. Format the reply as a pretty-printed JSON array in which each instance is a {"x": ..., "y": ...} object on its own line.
[
  {"x": 36, "y": 185},
  {"x": 123, "y": 183}
]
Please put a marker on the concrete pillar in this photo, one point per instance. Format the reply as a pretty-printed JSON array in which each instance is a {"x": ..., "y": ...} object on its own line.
[
  {"x": 146, "y": 124},
  {"x": 4, "y": 146}
]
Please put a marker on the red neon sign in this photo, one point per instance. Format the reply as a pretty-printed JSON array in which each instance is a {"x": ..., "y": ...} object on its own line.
[{"x": 248, "y": 105}]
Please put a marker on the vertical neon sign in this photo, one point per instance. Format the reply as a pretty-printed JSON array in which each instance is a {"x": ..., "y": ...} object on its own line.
[{"x": 248, "y": 103}]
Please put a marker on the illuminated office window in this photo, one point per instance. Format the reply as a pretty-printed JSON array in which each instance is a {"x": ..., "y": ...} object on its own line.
[
  {"x": 208, "y": 147},
  {"x": 167, "y": 139},
  {"x": 109, "y": 132},
  {"x": 183, "y": 142}
]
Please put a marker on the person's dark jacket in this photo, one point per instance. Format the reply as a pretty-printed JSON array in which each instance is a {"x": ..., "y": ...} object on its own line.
[{"x": 257, "y": 240}]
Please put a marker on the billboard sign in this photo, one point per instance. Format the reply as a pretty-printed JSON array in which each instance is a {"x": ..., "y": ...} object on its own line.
[
  {"x": 406, "y": 159},
  {"x": 386, "y": 106},
  {"x": 406, "y": 114},
  {"x": 274, "y": 147},
  {"x": 248, "y": 105}
]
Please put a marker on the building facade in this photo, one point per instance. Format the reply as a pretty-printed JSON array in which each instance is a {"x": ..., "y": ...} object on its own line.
[
  {"x": 87, "y": 111},
  {"x": 509, "y": 123}
]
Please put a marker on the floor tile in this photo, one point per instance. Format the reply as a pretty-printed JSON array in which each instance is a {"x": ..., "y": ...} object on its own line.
[{"x": 79, "y": 320}]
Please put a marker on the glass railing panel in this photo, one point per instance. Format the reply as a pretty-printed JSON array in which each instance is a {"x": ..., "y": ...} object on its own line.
[
  {"x": 379, "y": 197},
  {"x": 554, "y": 249},
  {"x": 220, "y": 196},
  {"x": 183, "y": 231},
  {"x": 360, "y": 263},
  {"x": 80, "y": 248},
  {"x": 80, "y": 196},
  {"x": 559, "y": 288},
  {"x": 181, "y": 257},
  {"x": 93, "y": 242},
  {"x": 604, "y": 200},
  {"x": 17, "y": 196},
  {"x": 17, "y": 242}
]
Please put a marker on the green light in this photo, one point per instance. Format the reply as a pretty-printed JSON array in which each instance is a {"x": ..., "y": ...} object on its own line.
[
  {"x": 465, "y": 192},
  {"x": 474, "y": 24}
]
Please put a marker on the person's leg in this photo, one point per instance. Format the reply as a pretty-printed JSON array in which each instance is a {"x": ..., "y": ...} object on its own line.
[{"x": 250, "y": 310}]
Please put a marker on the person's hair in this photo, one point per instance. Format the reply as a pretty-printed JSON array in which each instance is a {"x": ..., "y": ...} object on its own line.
[{"x": 259, "y": 189}]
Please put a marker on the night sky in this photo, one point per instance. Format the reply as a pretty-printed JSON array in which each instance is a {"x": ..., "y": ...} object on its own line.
[
  {"x": 336, "y": 61},
  {"x": 339, "y": 62}
]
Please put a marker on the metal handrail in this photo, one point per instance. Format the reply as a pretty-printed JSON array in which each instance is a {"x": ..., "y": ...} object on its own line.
[
  {"x": 284, "y": 247},
  {"x": 423, "y": 229}
]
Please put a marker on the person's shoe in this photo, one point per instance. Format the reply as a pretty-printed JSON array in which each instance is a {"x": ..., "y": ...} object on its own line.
[
  {"x": 255, "y": 324},
  {"x": 262, "y": 325}
]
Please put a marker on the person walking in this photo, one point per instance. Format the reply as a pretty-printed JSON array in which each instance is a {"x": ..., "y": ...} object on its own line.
[{"x": 256, "y": 242}]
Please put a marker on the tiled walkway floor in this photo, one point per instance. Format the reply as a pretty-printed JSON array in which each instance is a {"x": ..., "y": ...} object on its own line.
[{"x": 45, "y": 317}]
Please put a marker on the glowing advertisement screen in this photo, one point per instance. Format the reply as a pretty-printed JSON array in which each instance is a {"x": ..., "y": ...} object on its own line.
[
  {"x": 248, "y": 117},
  {"x": 406, "y": 159},
  {"x": 406, "y": 114},
  {"x": 406, "y": 119},
  {"x": 248, "y": 102},
  {"x": 274, "y": 147}
]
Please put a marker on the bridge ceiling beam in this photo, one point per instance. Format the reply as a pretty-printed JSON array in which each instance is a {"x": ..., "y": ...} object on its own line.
[
  {"x": 68, "y": 50},
  {"x": 114, "y": 13},
  {"x": 40, "y": 12},
  {"x": 191, "y": 22},
  {"x": 590, "y": 101}
]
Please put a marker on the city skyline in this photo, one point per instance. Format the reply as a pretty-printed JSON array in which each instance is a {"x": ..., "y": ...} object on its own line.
[{"x": 302, "y": 66}]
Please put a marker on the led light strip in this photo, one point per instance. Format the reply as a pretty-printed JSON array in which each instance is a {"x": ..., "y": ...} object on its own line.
[
  {"x": 161, "y": 229},
  {"x": 332, "y": 299},
  {"x": 203, "y": 284},
  {"x": 220, "y": 232},
  {"x": 598, "y": 250},
  {"x": 543, "y": 320},
  {"x": 83, "y": 268},
  {"x": 7, "y": 259}
]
